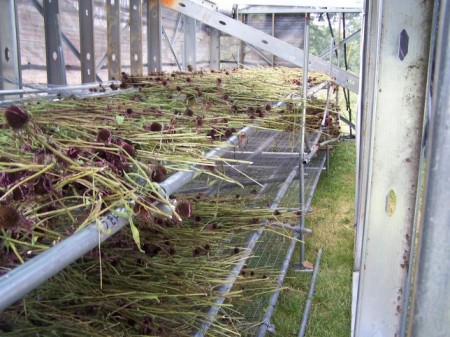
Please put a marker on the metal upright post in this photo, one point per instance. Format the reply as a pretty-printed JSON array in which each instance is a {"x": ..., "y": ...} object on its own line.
[
  {"x": 430, "y": 315},
  {"x": 273, "y": 34},
  {"x": 338, "y": 54},
  {"x": 189, "y": 57},
  {"x": 56, "y": 67},
  {"x": 302, "y": 137},
  {"x": 113, "y": 39},
  {"x": 9, "y": 45},
  {"x": 136, "y": 37},
  {"x": 87, "y": 51},
  {"x": 392, "y": 100},
  {"x": 154, "y": 36},
  {"x": 214, "y": 49}
]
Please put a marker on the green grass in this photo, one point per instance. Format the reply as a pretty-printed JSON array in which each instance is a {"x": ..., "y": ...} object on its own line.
[{"x": 332, "y": 222}]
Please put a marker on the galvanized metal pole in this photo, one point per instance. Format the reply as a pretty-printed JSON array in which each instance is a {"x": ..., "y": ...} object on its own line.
[
  {"x": 10, "y": 73},
  {"x": 154, "y": 36},
  {"x": 308, "y": 303},
  {"x": 113, "y": 39},
  {"x": 56, "y": 67},
  {"x": 214, "y": 49},
  {"x": 273, "y": 34},
  {"x": 430, "y": 315},
  {"x": 189, "y": 50},
  {"x": 395, "y": 67},
  {"x": 136, "y": 67},
  {"x": 264, "y": 327},
  {"x": 302, "y": 136},
  {"x": 87, "y": 50}
]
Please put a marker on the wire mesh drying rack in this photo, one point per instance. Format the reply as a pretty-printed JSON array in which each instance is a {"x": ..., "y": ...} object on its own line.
[
  {"x": 273, "y": 176},
  {"x": 268, "y": 167}
]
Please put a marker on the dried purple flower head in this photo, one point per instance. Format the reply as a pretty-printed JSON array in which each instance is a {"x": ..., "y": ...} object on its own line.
[
  {"x": 183, "y": 208},
  {"x": 197, "y": 251},
  {"x": 125, "y": 76},
  {"x": 199, "y": 121},
  {"x": 43, "y": 185},
  {"x": 73, "y": 152},
  {"x": 154, "y": 127},
  {"x": 128, "y": 112},
  {"x": 189, "y": 112},
  {"x": 128, "y": 148},
  {"x": 104, "y": 136},
  {"x": 212, "y": 134},
  {"x": 16, "y": 117},
  {"x": 268, "y": 107},
  {"x": 157, "y": 173},
  {"x": 21, "y": 192},
  {"x": 228, "y": 133},
  {"x": 9, "y": 217},
  {"x": 218, "y": 81}
]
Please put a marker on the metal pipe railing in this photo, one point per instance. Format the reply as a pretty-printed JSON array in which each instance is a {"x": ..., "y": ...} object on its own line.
[
  {"x": 236, "y": 270},
  {"x": 274, "y": 299},
  {"x": 20, "y": 281},
  {"x": 303, "y": 131},
  {"x": 315, "y": 147},
  {"x": 312, "y": 286},
  {"x": 54, "y": 89},
  {"x": 307, "y": 157}
]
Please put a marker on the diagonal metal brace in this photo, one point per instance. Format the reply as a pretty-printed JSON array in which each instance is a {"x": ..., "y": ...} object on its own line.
[{"x": 262, "y": 40}]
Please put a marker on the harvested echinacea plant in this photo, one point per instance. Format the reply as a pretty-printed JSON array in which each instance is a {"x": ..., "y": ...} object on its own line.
[
  {"x": 183, "y": 208},
  {"x": 9, "y": 217},
  {"x": 157, "y": 173},
  {"x": 16, "y": 116}
]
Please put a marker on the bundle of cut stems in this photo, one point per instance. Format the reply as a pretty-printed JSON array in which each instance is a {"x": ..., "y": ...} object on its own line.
[{"x": 68, "y": 162}]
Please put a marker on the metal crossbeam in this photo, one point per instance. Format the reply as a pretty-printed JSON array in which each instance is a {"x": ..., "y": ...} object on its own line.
[
  {"x": 261, "y": 40},
  {"x": 351, "y": 37},
  {"x": 297, "y": 9}
]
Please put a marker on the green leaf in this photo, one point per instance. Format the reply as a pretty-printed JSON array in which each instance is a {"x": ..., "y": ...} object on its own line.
[
  {"x": 34, "y": 240},
  {"x": 120, "y": 119},
  {"x": 135, "y": 233}
]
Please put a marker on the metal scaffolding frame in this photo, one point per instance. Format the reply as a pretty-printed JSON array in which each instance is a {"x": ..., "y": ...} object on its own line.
[
  {"x": 390, "y": 142},
  {"x": 56, "y": 258},
  {"x": 430, "y": 305}
]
